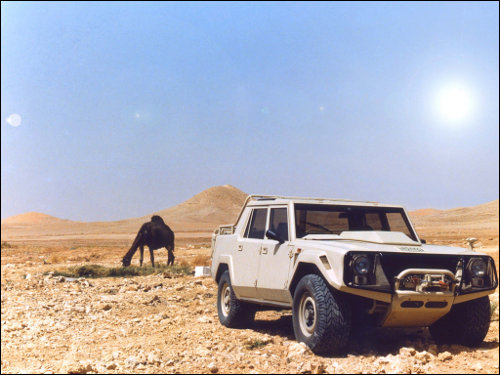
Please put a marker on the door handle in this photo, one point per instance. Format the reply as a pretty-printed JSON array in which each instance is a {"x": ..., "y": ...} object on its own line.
[
  {"x": 264, "y": 250},
  {"x": 240, "y": 247}
]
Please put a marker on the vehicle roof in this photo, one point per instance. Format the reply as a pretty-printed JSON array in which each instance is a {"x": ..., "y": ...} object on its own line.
[{"x": 266, "y": 200}]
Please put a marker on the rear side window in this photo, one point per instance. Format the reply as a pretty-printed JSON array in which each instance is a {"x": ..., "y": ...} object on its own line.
[{"x": 257, "y": 224}]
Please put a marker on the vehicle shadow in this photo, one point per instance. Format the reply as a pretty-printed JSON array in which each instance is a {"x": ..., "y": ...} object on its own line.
[
  {"x": 281, "y": 326},
  {"x": 385, "y": 341},
  {"x": 373, "y": 341}
]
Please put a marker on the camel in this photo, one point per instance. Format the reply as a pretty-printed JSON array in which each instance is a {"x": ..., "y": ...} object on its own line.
[{"x": 154, "y": 234}]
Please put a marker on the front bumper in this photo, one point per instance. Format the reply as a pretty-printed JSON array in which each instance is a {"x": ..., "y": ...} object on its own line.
[{"x": 418, "y": 289}]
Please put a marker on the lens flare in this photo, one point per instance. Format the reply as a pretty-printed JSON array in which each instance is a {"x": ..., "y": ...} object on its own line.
[{"x": 14, "y": 120}]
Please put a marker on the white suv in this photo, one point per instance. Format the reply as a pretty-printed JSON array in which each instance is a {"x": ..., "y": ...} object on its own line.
[{"x": 339, "y": 264}]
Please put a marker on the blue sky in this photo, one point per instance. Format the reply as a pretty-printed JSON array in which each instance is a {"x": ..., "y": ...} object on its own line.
[{"x": 129, "y": 108}]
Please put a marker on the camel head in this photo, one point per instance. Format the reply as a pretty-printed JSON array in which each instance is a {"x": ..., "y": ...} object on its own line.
[{"x": 125, "y": 262}]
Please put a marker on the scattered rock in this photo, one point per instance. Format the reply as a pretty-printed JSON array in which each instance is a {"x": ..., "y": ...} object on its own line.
[
  {"x": 105, "y": 307},
  {"x": 477, "y": 366},
  {"x": 111, "y": 366},
  {"x": 131, "y": 288},
  {"x": 407, "y": 352},
  {"x": 297, "y": 350},
  {"x": 81, "y": 367},
  {"x": 204, "y": 319},
  {"x": 153, "y": 358},
  {"x": 423, "y": 357},
  {"x": 154, "y": 301},
  {"x": 433, "y": 349},
  {"x": 445, "y": 356},
  {"x": 131, "y": 361},
  {"x": 212, "y": 368}
]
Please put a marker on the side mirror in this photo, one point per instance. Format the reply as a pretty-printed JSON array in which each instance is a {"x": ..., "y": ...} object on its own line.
[
  {"x": 423, "y": 241},
  {"x": 273, "y": 236}
]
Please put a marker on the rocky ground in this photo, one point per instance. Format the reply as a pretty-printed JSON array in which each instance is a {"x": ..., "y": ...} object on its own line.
[{"x": 166, "y": 324}]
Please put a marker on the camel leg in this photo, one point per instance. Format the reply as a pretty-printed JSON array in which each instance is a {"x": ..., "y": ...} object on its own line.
[
  {"x": 142, "y": 254},
  {"x": 171, "y": 258},
  {"x": 152, "y": 257}
]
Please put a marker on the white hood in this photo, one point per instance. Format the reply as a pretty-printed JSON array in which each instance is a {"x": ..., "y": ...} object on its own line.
[
  {"x": 390, "y": 238},
  {"x": 377, "y": 241},
  {"x": 375, "y": 236}
]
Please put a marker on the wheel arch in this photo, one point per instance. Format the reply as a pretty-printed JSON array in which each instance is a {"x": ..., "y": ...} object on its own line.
[
  {"x": 220, "y": 270},
  {"x": 304, "y": 268}
]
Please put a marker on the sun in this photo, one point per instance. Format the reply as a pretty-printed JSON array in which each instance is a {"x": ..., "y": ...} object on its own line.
[{"x": 454, "y": 103}]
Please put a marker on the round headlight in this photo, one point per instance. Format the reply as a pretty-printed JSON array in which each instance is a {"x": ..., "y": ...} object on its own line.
[
  {"x": 477, "y": 267},
  {"x": 361, "y": 265}
]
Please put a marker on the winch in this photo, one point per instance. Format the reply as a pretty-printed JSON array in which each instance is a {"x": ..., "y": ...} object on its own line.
[{"x": 425, "y": 280}]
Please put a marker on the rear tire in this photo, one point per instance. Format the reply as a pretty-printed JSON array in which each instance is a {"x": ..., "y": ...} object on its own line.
[
  {"x": 321, "y": 319},
  {"x": 232, "y": 312},
  {"x": 466, "y": 324}
]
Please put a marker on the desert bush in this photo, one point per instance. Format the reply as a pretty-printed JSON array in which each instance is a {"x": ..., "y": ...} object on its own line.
[
  {"x": 201, "y": 260},
  {"x": 55, "y": 258},
  {"x": 183, "y": 263},
  {"x": 6, "y": 245},
  {"x": 97, "y": 271}
]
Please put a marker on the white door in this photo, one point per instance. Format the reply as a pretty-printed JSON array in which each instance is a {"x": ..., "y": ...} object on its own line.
[
  {"x": 246, "y": 257},
  {"x": 275, "y": 260}
]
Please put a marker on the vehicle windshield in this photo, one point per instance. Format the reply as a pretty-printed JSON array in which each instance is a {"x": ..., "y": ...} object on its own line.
[{"x": 332, "y": 219}]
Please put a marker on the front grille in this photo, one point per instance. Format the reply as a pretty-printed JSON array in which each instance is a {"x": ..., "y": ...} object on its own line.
[
  {"x": 394, "y": 263},
  {"x": 387, "y": 266}
]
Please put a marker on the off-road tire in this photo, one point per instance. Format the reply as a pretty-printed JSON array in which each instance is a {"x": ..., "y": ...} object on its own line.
[
  {"x": 321, "y": 319},
  {"x": 233, "y": 313},
  {"x": 466, "y": 324}
]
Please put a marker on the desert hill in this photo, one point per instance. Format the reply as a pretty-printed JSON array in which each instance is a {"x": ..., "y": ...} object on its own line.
[
  {"x": 33, "y": 218},
  {"x": 214, "y": 206},
  {"x": 454, "y": 225},
  {"x": 424, "y": 212},
  {"x": 201, "y": 214},
  {"x": 484, "y": 212}
]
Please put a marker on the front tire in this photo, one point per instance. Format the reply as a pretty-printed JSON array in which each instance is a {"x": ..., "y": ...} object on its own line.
[
  {"x": 321, "y": 319},
  {"x": 466, "y": 324},
  {"x": 232, "y": 312}
]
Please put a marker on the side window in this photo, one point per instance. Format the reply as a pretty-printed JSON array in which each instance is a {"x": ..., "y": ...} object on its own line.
[
  {"x": 279, "y": 222},
  {"x": 257, "y": 224}
]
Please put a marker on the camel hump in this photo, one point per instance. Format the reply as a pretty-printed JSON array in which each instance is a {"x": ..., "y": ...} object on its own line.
[{"x": 157, "y": 219}]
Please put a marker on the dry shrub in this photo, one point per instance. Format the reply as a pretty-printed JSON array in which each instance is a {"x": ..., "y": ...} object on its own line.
[
  {"x": 97, "y": 270},
  {"x": 183, "y": 263},
  {"x": 55, "y": 258},
  {"x": 201, "y": 260}
]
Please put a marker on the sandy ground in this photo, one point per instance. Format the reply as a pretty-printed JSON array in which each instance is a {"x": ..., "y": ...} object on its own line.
[{"x": 154, "y": 323}]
